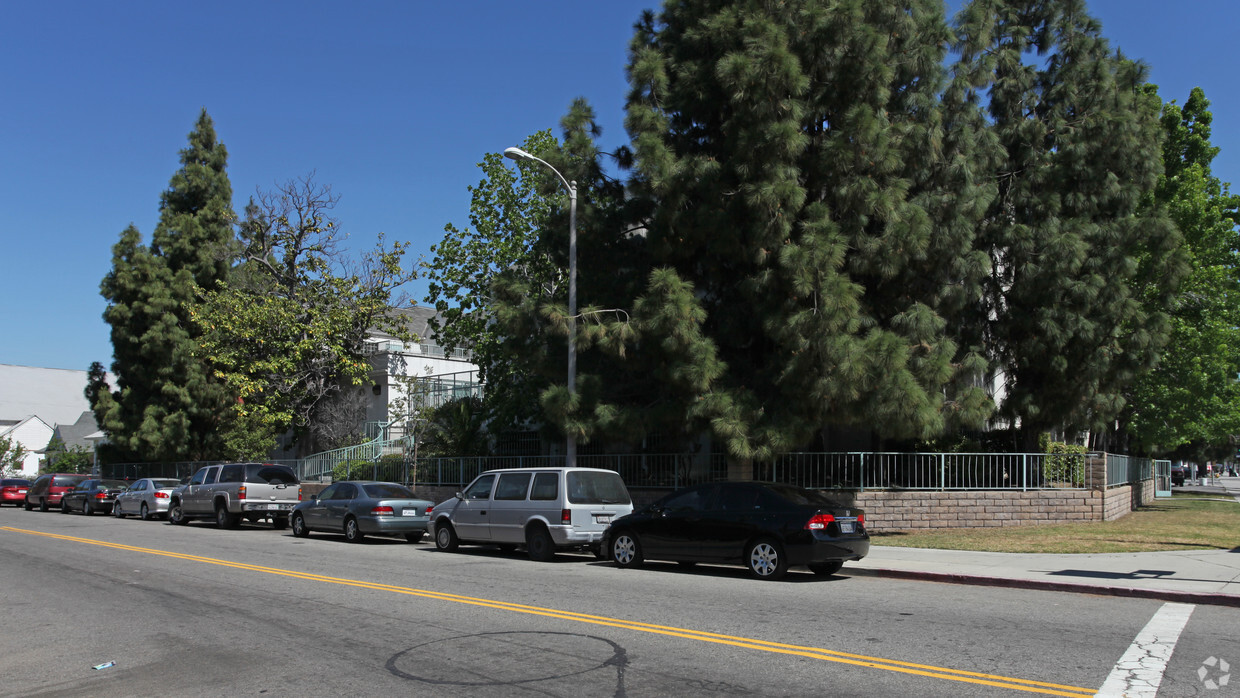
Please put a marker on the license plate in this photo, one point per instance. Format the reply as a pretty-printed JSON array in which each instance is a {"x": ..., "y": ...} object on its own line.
[
  {"x": 846, "y": 527},
  {"x": 409, "y": 512},
  {"x": 21, "y": 491},
  {"x": 602, "y": 518},
  {"x": 277, "y": 507}
]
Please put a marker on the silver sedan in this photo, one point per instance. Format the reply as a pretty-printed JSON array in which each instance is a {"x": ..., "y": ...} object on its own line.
[
  {"x": 357, "y": 509},
  {"x": 147, "y": 499}
]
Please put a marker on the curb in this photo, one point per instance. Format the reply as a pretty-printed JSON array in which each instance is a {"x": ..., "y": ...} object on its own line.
[{"x": 1201, "y": 598}]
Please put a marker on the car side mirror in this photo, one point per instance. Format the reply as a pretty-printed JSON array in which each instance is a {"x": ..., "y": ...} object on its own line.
[
  {"x": 460, "y": 496},
  {"x": 314, "y": 498}
]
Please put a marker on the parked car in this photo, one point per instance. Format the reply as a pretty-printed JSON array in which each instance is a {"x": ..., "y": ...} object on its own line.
[
  {"x": 49, "y": 488},
  {"x": 358, "y": 509},
  {"x": 90, "y": 496},
  {"x": 765, "y": 526},
  {"x": 544, "y": 509},
  {"x": 13, "y": 491},
  {"x": 1179, "y": 472},
  {"x": 147, "y": 499},
  {"x": 231, "y": 491}
]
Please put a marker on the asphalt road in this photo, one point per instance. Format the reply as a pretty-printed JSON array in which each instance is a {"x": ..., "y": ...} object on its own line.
[{"x": 199, "y": 611}]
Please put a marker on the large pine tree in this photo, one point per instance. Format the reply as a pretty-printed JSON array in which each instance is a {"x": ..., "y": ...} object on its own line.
[
  {"x": 813, "y": 206},
  {"x": 165, "y": 405},
  {"x": 1068, "y": 321}
]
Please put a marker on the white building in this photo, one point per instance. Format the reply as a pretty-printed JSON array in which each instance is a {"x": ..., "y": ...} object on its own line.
[
  {"x": 35, "y": 401},
  {"x": 441, "y": 376}
]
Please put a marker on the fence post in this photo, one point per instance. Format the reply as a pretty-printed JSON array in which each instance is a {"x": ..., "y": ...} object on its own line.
[
  {"x": 862, "y": 473},
  {"x": 942, "y": 471},
  {"x": 1024, "y": 472}
]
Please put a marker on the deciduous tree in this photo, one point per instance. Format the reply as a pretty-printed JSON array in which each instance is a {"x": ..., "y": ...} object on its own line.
[{"x": 287, "y": 332}]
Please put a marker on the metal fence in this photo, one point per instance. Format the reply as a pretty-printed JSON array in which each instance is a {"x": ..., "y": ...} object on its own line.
[
  {"x": 842, "y": 471},
  {"x": 955, "y": 471},
  {"x": 667, "y": 470}
]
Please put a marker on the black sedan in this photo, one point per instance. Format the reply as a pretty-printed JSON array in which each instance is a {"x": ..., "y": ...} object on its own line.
[
  {"x": 357, "y": 509},
  {"x": 90, "y": 496},
  {"x": 765, "y": 526}
]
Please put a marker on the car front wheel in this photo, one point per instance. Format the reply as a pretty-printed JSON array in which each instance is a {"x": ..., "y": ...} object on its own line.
[
  {"x": 766, "y": 560},
  {"x": 625, "y": 550},
  {"x": 176, "y": 515},
  {"x": 64, "y": 507},
  {"x": 116, "y": 510},
  {"x": 445, "y": 537},
  {"x": 299, "y": 526}
]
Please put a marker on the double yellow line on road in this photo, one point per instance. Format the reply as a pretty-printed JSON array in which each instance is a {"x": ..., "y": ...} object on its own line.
[{"x": 701, "y": 636}]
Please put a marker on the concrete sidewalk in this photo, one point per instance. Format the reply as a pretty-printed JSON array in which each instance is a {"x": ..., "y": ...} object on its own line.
[{"x": 1190, "y": 576}]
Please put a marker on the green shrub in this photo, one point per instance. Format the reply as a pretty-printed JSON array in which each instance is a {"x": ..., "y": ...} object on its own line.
[
  {"x": 1065, "y": 463},
  {"x": 353, "y": 470}
]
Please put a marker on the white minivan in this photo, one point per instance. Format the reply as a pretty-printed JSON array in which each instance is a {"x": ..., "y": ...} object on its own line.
[{"x": 544, "y": 509}]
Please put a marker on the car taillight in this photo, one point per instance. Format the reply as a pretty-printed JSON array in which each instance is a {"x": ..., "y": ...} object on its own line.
[
  {"x": 566, "y": 517},
  {"x": 241, "y": 492},
  {"x": 101, "y": 495},
  {"x": 382, "y": 511},
  {"x": 861, "y": 517},
  {"x": 428, "y": 510},
  {"x": 818, "y": 522},
  {"x": 161, "y": 495},
  {"x": 299, "y": 493}
]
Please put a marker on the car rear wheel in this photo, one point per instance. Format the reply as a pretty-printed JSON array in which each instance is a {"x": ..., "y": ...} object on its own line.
[
  {"x": 144, "y": 512},
  {"x": 87, "y": 509},
  {"x": 445, "y": 537},
  {"x": 766, "y": 560},
  {"x": 299, "y": 526},
  {"x": 826, "y": 569},
  {"x": 415, "y": 536},
  {"x": 352, "y": 532},
  {"x": 626, "y": 551},
  {"x": 225, "y": 520},
  {"x": 539, "y": 545},
  {"x": 43, "y": 504}
]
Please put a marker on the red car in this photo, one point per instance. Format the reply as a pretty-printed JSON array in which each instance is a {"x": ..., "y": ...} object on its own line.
[
  {"x": 48, "y": 489},
  {"x": 13, "y": 491}
]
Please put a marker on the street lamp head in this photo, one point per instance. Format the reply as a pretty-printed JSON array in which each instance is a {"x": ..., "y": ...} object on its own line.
[{"x": 517, "y": 154}]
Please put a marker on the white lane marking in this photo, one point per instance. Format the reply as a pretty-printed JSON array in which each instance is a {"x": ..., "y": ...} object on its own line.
[{"x": 1139, "y": 672}]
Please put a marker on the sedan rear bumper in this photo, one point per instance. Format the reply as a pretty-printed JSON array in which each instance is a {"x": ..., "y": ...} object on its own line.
[{"x": 827, "y": 550}]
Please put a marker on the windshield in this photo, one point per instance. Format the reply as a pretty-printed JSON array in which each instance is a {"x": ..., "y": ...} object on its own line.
[{"x": 588, "y": 487}]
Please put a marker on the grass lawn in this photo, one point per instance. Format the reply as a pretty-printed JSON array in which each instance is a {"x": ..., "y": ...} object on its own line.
[{"x": 1184, "y": 522}]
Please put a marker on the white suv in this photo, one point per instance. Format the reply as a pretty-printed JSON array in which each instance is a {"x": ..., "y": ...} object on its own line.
[{"x": 544, "y": 509}]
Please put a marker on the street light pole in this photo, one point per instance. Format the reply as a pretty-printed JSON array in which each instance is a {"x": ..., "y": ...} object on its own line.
[{"x": 570, "y": 448}]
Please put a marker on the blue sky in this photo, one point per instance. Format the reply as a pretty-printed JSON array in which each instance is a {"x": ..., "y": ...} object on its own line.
[{"x": 391, "y": 103}]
